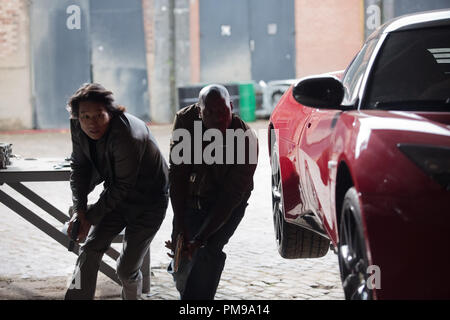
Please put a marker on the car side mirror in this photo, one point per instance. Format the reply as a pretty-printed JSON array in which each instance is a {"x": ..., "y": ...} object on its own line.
[{"x": 325, "y": 92}]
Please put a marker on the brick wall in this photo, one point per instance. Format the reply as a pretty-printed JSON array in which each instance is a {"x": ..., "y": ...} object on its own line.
[
  {"x": 147, "y": 11},
  {"x": 15, "y": 87},
  {"x": 10, "y": 23},
  {"x": 328, "y": 34}
]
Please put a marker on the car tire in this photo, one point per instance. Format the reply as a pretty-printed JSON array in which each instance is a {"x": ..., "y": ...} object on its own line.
[
  {"x": 293, "y": 241},
  {"x": 352, "y": 255}
]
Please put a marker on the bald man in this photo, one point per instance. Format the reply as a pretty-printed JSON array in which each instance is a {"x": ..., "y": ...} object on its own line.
[{"x": 208, "y": 197}]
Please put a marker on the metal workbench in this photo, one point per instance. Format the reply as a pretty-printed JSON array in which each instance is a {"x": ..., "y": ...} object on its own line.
[{"x": 47, "y": 170}]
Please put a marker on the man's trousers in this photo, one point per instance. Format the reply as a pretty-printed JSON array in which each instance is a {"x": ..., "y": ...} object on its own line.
[
  {"x": 137, "y": 239},
  {"x": 199, "y": 278}
]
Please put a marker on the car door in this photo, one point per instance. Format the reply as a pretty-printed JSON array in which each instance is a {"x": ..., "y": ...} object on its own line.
[
  {"x": 314, "y": 154},
  {"x": 289, "y": 124},
  {"x": 316, "y": 160}
]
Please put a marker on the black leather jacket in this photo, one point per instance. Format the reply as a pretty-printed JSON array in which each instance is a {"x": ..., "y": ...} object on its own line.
[{"x": 130, "y": 164}]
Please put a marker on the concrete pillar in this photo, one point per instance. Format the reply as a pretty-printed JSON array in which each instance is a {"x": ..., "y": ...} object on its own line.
[
  {"x": 15, "y": 82},
  {"x": 182, "y": 42},
  {"x": 194, "y": 12},
  {"x": 168, "y": 54},
  {"x": 159, "y": 58}
]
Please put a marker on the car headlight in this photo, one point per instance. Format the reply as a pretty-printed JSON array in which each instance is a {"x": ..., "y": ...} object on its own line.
[{"x": 433, "y": 160}]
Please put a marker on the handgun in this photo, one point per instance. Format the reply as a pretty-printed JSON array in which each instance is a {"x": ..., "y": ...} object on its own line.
[
  {"x": 74, "y": 233},
  {"x": 178, "y": 252}
]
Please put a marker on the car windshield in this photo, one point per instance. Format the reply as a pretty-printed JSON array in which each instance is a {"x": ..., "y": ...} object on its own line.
[{"x": 412, "y": 72}]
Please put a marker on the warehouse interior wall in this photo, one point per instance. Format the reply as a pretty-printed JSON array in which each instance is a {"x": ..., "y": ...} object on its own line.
[
  {"x": 328, "y": 34},
  {"x": 15, "y": 83}
]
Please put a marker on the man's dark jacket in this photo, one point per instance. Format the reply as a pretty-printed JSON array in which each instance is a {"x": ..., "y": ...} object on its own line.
[
  {"x": 219, "y": 187},
  {"x": 128, "y": 161}
]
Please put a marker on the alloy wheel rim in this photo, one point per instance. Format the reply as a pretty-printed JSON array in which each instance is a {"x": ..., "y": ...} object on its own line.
[
  {"x": 352, "y": 259},
  {"x": 277, "y": 203}
]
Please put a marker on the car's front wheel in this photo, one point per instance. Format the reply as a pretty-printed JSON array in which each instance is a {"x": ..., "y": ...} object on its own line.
[
  {"x": 353, "y": 260},
  {"x": 292, "y": 241}
]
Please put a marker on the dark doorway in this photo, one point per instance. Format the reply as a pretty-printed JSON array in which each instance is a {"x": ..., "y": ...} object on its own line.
[
  {"x": 78, "y": 41},
  {"x": 243, "y": 40}
]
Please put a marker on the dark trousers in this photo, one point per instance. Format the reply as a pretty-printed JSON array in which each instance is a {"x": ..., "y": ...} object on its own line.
[
  {"x": 199, "y": 278},
  {"x": 138, "y": 236}
]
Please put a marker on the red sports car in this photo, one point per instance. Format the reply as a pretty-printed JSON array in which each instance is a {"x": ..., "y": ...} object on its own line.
[{"x": 361, "y": 159}]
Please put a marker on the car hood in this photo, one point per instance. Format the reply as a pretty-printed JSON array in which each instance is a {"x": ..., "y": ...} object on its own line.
[
  {"x": 393, "y": 127},
  {"x": 437, "y": 123},
  {"x": 379, "y": 165}
]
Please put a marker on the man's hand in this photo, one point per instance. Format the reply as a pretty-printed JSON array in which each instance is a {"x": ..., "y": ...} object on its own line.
[
  {"x": 191, "y": 247},
  {"x": 169, "y": 245},
  {"x": 85, "y": 226},
  {"x": 84, "y": 230}
]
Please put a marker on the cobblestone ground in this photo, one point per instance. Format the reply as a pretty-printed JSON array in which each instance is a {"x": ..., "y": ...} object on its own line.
[{"x": 33, "y": 266}]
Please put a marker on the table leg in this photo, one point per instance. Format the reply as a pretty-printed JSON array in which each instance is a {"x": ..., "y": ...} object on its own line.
[
  {"x": 41, "y": 203},
  {"x": 51, "y": 231}
]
